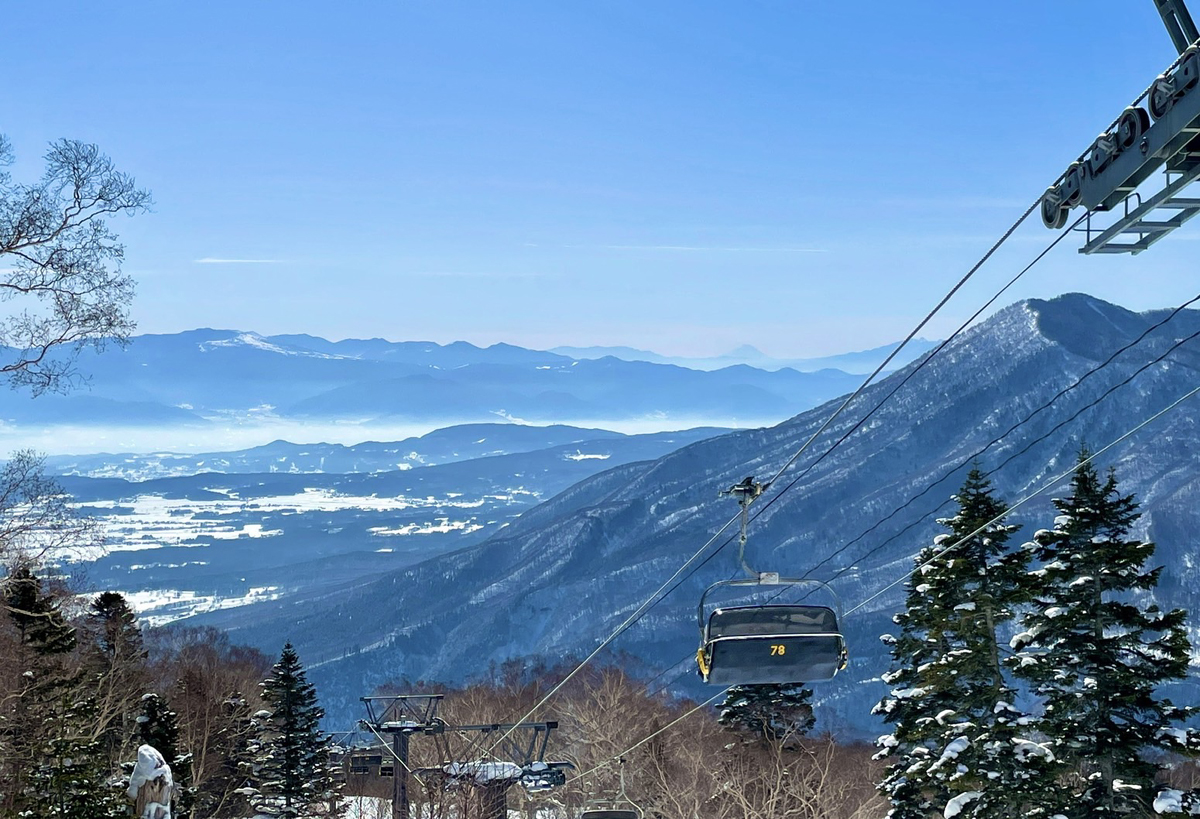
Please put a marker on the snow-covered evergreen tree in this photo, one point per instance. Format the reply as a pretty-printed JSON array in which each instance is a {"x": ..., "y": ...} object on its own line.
[
  {"x": 36, "y": 614},
  {"x": 775, "y": 713},
  {"x": 58, "y": 767},
  {"x": 293, "y": 773},
  {"x": 960, "y": 746},
  {"x": 912, "y": 746},
  {"x": 1095, "y": 649},
  {"x": 157, "y": 726}
]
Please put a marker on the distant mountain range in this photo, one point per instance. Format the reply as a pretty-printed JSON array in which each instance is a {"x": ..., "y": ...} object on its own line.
[
  {"x": 566, "y": 572},
  {"x": 860, "y": 363},
  {"x": 442, "y": 446},
  {"x": 207, "y": 378}
]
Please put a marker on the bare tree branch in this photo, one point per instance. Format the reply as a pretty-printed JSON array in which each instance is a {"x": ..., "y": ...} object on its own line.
[{"x": 61, "y": 261}]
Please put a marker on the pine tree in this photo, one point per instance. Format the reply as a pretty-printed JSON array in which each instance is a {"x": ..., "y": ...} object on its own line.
[
  {"x": 158, "y": 727},
  {"x": 115, "y": 663},
  {"x": 774, "y": 713},
  {"x": 58, "y": 767},
  {"x": 294, "y": 775},
  {"x": 912, "y": 746},
  {"x": 115, "y": 624},
  {"x": 37, "y": 616},
  {"x": 1095, "y": 650},
  {"x": 959, "y": 745}
]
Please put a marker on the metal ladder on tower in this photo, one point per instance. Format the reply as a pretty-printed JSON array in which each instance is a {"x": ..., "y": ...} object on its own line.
[{"x": 1145, "y": 218}]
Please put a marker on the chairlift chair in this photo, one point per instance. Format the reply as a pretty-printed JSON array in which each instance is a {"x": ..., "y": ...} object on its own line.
[
  {"x": 597, "y": 810},
  {"x": 619, "y": 807},
  {"x": 770, "y": 643}
]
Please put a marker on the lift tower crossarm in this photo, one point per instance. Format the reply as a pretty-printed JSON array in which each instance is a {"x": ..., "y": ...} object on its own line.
[
  {"x": 1179, "y": 23},
  {"x": 1164, "y": 134}
]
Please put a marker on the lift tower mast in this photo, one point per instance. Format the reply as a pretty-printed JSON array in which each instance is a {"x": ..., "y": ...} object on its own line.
[
  {"x": 1179, "y": 23},
  {"x": 1160, "y": 130},
  {"x": 400, "y": 716}
]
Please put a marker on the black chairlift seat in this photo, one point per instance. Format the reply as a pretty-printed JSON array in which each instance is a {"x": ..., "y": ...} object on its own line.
[
  {"x": 768, "y": 643},
  {"x": 619, "y": 808},
  {"x": 758, "y": 645}
]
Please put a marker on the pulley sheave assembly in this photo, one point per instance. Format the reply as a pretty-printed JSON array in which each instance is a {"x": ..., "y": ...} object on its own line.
[{"x": 1161, "y": 130}]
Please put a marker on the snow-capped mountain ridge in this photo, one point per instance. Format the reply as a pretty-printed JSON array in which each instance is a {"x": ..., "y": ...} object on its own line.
[
  {"x": 215, "y": 379},
  {"x": 260, "y": 343}
]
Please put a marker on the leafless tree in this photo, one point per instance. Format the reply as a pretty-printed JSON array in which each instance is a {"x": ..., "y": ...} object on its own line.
[
  {"x": 210, "y": 683},
  {"x": 60, "y": 264},
  {"x": 36, "y": 518}
]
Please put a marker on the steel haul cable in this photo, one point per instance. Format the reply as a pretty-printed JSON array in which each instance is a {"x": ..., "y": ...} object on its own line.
[
  {"x": 991, "y": 472},
  {"x": 970, "y": 273},
  {"x": 858, "y": 425},
  {"x": 920, "y": 365},
  {"x": 1045, "y": 487},
  {"x": 882, "y": 401},
  {"x": 1064, "y": 391},
  {"x": 920, "y": 325},
  {"x": 1029, "y": 445},
  {"x": 1049, "y": 484},
  {"x": 991, "y": 443},
  {"x": 655, "y": 596}
]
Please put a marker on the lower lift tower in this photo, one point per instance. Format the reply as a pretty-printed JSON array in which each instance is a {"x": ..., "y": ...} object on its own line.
[
  {"x": 518, "y": 756},
  {"x": 1161, "y": 130},
  {"x": 401, "y": 716}
]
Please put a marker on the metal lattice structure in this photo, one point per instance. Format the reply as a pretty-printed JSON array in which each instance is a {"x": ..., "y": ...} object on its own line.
[
  {"x": 400, "y": 716},
  {"x": 1159, "y": 131},
  {"x": 517, "y": 758}
]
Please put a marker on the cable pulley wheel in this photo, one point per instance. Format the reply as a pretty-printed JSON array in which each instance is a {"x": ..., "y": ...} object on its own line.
[
  {"x": 1161, "y": 97},
  {"x": 1130, "y": 127},
  {"x": 1054, "y": 215}
]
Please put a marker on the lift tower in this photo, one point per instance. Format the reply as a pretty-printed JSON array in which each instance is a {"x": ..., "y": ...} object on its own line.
[
  {"x": 518, "y": 757},
  {"x": 1161, "y": 130},
  {"x": 401, "y": 716}
]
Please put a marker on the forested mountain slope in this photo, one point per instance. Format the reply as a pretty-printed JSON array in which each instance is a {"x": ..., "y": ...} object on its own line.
[{"x": 566, "y": 573}]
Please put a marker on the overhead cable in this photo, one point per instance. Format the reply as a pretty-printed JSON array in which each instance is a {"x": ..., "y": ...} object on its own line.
[{"x": 1048, "y": 485}]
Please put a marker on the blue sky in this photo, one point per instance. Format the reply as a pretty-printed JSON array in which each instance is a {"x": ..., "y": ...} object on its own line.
[{"x": 807, "y": 177}]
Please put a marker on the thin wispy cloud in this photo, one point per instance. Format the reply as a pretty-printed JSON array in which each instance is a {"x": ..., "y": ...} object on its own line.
[
  {"x": 697, "y": 248},
  {"x": 210, "y": 260},
  {"x": 476, "y": 274}
]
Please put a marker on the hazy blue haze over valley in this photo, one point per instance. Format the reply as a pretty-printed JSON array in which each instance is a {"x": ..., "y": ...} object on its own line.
[{"x": 206, "y": 390}]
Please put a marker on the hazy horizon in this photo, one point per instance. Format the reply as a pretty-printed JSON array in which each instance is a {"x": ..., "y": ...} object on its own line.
[
  {"x": 679, "y": 177},
  {"x": 98, "y": 440}
]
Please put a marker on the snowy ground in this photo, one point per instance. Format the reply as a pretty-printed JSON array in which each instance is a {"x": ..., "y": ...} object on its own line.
[
  {"x": 370, "y": 807},
  {"x": 153, "y": 521},
  {"x": 174, "y": 557}
]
